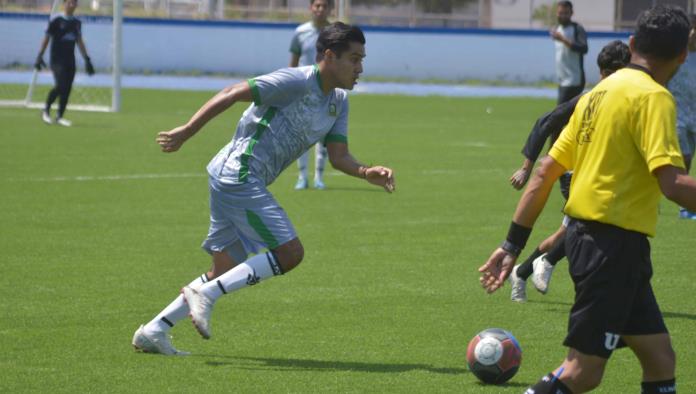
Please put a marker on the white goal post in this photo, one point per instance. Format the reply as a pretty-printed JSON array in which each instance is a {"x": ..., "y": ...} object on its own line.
[{"x": 23, "y": 86}]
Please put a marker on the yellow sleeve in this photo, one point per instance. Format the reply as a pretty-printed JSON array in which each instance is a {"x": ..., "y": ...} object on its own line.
[
  {"x": 563, "y": 150},
  {"x": 656, "y": 134}
]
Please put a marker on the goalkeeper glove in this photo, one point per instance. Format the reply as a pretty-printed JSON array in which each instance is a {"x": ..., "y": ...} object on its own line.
[
  {"x": 88, "y": 66},
  {"x": 39, "y": 63}
]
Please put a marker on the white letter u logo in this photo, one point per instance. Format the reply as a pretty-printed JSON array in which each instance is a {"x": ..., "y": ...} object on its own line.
[{"x": 611, "y": 340}]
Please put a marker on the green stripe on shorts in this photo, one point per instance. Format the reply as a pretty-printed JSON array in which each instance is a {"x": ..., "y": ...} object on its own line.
[{"x": 257, "y": 224}]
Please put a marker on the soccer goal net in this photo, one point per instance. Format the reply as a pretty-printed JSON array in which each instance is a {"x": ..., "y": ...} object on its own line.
[{"x": 23, "y": 86}]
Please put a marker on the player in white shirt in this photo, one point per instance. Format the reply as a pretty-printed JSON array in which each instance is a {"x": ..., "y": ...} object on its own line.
[
  {"x": 303, "y": 49},
  {"x": 292, "y": 109}
]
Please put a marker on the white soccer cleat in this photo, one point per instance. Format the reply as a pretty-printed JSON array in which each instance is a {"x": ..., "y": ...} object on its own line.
[
  {"x": 63, "y": 122},
  {"x": 542, "y": 273},
  {"x": 301, "y": 184},
  {"x": 201, "y": 307},
  {"x": 46, "y": 117},
  {"x": 519, "y": 286},
  {"x": 319, "y": 184},
  {"x": 155, "y": 343}
]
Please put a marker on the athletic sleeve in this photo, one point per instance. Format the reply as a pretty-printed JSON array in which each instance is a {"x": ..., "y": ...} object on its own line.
[
  {"x": 278, "y": 88},
  {"x": 295, "y": 46},
  {"x": 655, "y": 135},
  {"x": 78, "y": 29},
  {"x": 339, "y": 131},
  {"x": 548, "y": 126},
  {"x": 52, "y": 28},
  {"x": 580, "y": 40}
]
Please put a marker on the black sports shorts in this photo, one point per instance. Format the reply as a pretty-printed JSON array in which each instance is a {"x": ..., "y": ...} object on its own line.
[{"x": 611, "y": 270}]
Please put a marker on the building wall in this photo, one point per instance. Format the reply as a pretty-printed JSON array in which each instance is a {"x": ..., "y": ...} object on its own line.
[
  {"x": 253, "y": 48},
  {"x": 595, "y": 15}
]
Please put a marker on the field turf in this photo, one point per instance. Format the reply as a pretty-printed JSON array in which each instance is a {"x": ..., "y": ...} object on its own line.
[{"x": 99, "y": 230}]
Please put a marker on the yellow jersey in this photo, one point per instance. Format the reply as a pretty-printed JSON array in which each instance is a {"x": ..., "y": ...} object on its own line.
[{"x": 620, "y": 132}]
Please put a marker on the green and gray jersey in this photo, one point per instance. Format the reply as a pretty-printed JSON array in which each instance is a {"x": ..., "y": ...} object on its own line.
[
  {"x": 290, "y": 113},
  {"x": 304, "y": 43}
]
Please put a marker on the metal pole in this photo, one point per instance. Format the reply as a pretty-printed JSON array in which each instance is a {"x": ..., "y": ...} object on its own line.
[
  {"x": 341, "y": 10},
  {"x": 117, "y": 41}
]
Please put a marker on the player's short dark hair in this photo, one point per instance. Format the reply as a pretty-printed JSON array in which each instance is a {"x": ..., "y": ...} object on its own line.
[
  {"x": 337, "y": 37},
  {"x": 565, "y": 3},
  {"x": 613, "y": 56},
  {"x": 311, "y": 2},
  {"x": 662, "y": 32}
]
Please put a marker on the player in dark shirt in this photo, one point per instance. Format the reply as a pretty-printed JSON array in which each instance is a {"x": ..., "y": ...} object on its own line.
[
  {"x": 541, "y": 262},
  {"x": 64, "y": 31}
]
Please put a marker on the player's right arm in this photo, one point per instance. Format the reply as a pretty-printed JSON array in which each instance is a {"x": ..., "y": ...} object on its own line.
[
  {"x": 39, "y": 58},
  {"x": 498, "y": 266},
  {"x": 171, "y": 141}
]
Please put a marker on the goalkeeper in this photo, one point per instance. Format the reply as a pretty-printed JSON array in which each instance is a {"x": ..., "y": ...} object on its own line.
[{"x": 64, "y": 30}]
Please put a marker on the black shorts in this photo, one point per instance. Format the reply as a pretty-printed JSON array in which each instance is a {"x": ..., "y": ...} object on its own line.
[{"x": 611, "y": 270}]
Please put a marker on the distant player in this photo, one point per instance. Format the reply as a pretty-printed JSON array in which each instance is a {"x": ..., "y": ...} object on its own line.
[
  {"x": 304, "y": 53},
  {"x": 622, "y": 144},
  {"x": 571, "y": 45},
  {"x": 64, "y": 31},
  {"x": 542, "y": 261},
  {"x": 292, "y": 109},
  {"x": 683, "y": 88}
]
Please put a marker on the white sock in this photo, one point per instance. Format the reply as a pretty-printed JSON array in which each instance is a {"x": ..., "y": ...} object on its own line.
[
  {"x": 320, "y": 162},
  {"x": 175, "y": 311},
  {"x": 302, "y": 165},
  {"x": 248, "y": 273}
]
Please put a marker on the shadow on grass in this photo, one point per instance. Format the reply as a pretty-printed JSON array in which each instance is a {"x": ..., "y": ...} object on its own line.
[
  {"x": 678, "y": 315},
  {"x": 347, "y": 189},
  {"x": 325, "y": 365},
  {"x": 550, "y": 302}
]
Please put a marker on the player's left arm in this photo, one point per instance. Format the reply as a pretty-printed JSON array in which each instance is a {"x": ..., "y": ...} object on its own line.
[
  {"x": 677, "y": 186},
  {"x": 89, "y": 67},
  {"x": 579, "y": 44},
  {"x": 342, "y": 160}
]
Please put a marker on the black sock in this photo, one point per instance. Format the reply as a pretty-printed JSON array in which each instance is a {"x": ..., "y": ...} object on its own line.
[
  {"x": 549, "y": 384},
  {"x": 526, "y": 269},
  {"x": 662, "y": 387},
  {"x": 557, "y": 252}
]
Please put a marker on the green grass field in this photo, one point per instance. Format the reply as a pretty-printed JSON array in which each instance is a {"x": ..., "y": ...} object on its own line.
[{"x": 99, "y": 230}]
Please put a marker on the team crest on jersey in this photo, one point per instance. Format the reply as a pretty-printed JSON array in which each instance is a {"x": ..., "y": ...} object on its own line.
[{"x": 332, "y": 109}]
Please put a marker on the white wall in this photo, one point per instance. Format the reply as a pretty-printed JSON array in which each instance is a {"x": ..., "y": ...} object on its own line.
[
  {"x": 250, "y": 49},
  {"x": 593, "y": 14}
]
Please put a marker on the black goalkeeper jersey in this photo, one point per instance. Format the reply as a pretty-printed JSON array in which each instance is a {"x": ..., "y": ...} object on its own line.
[{"x": 64, "y": 32}]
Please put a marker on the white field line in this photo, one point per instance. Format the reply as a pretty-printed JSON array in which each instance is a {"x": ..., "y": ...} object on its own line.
[
  {"x": 87, "y": 178},
  {"x": 95, "y": 178}
]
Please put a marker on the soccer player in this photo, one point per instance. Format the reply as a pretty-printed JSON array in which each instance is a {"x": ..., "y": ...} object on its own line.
[
  {"x": 571, "y": 45},
  {"x": 683, "y": 88},
  {"x": 304, "y": 53},
  {"x": 64, "y": 31},
  {"x": 622, "y": 144},
  {"x": 292, "y": 109},
  {"x": 541, "y": 262}
]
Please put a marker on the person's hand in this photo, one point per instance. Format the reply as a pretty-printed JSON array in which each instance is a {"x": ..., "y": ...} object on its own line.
[
  {"x": 496, "y": 270},
  {"x": 519, "y": 178},
  {"x": 556, "y": 35},
  {"x": 39, "y": 63},
  {"x": 171, "y": 141},
  {"x": 381, "y": 176},
  {"x": 88, "y": 66}
]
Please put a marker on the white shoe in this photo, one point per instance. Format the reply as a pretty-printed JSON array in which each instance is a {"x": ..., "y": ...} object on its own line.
[
  {"x": 519, "y": 286},
  {"x": 301, "y": 184},
  {"x": 201, "y": 307},
  {"x": 319, "y": 184},
  {"x": 542, "y": 273},
  {"x": 46, "y": 117},
  {"x": 155, "y": 343},
  {"x": 63, "y": 122}
]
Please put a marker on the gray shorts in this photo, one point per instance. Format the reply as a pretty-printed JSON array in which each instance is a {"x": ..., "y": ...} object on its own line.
[
  {"x": 687, "y": 138},
  {"x": 245, "y": 219}
]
